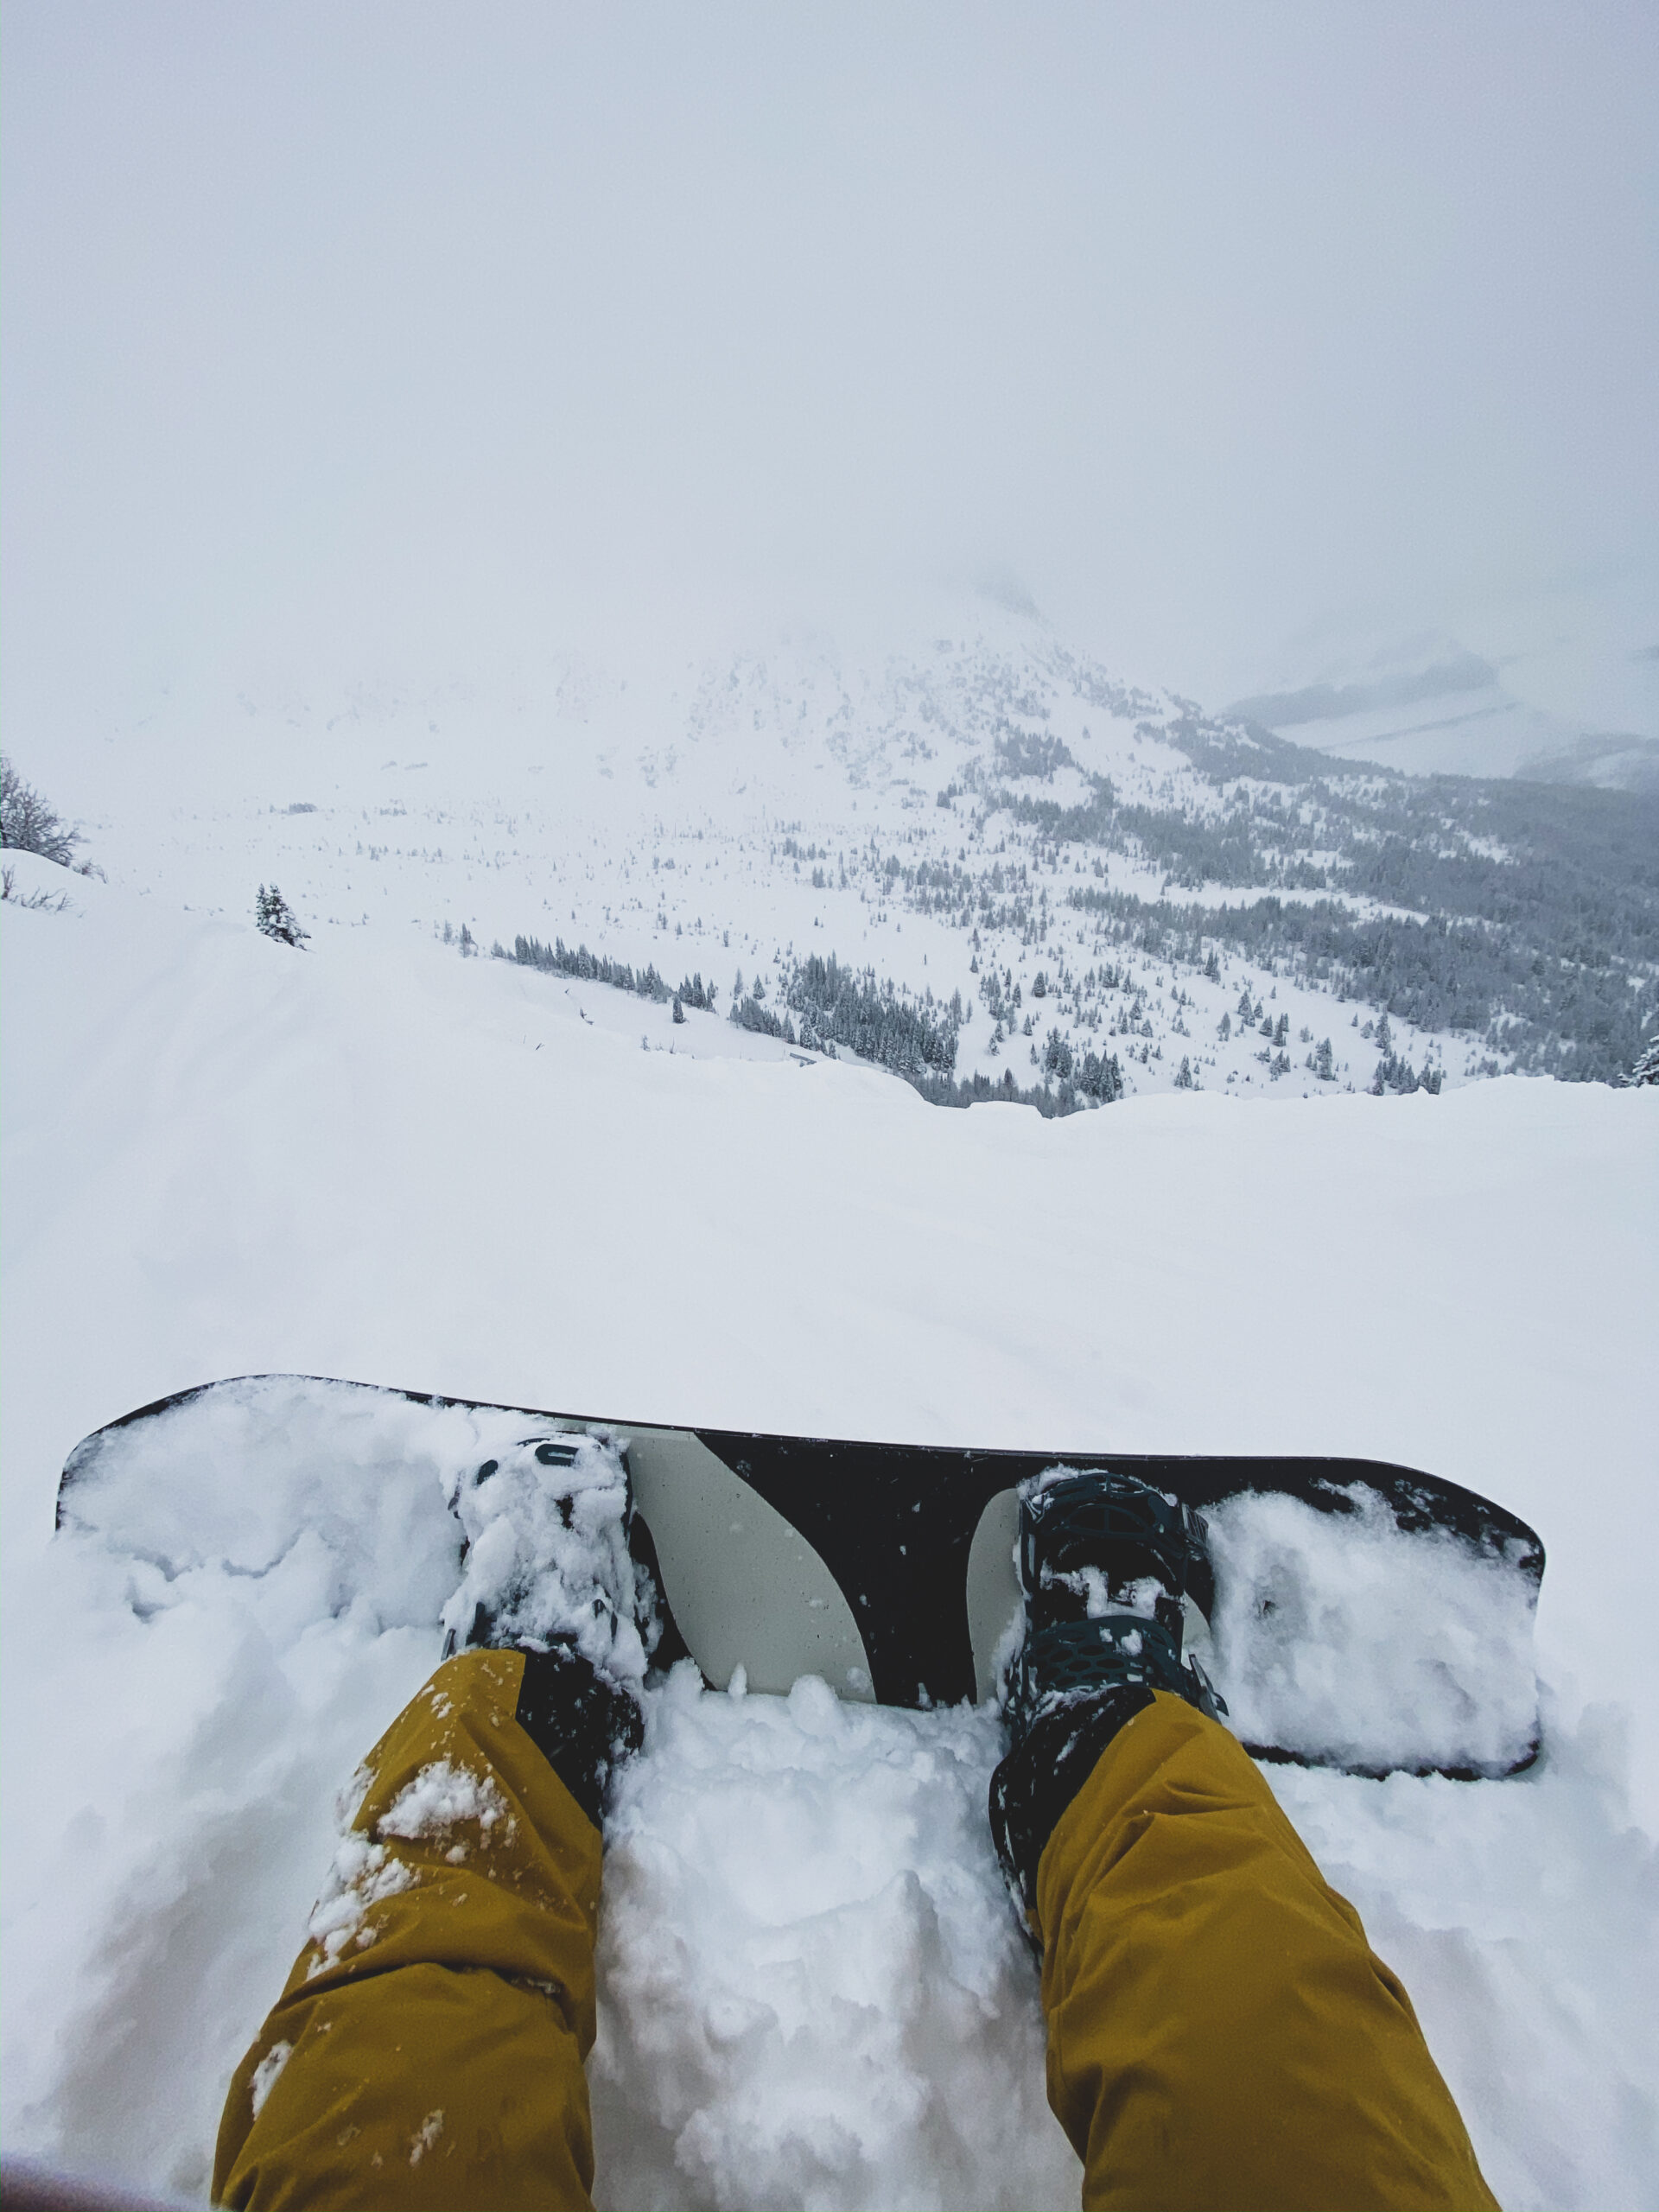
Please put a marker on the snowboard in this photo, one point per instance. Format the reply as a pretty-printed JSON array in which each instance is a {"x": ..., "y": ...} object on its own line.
[{"x": 1365, "y": 1617}]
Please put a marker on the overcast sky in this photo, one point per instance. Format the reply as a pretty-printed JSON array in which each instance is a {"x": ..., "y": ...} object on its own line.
[{"x": 406, "y": 328}]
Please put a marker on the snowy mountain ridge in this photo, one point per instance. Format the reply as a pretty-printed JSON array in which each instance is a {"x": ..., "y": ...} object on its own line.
[{"x": 974, "y": 814}]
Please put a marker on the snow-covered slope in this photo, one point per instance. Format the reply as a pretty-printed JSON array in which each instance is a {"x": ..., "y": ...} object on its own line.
[
  {"x": 1045, "y": 861},
  {"x": 374, "y": 1159}
]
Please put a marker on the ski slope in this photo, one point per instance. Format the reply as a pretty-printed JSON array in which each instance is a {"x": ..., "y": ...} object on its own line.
[{"x": 373, "y": 1160}]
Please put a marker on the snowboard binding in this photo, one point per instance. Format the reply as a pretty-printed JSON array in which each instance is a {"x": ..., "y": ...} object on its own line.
[
  {"x": 1105, "y": 1563},
  {"x": 547, "y": 1570},
  {"x": 1094, "y": 1531}
]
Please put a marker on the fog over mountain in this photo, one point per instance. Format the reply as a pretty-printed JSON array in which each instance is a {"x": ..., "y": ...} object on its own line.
[
  {"x": 1249, "y": 344},
  {"x": 1018, "y": 466}
]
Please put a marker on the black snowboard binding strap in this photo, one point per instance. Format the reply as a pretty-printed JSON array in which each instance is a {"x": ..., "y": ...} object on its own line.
[
  {"x": 1070, "y": 1659},
  {"x": 1090, "y": 1543},
  {"x": 1075, "y": 1526}
]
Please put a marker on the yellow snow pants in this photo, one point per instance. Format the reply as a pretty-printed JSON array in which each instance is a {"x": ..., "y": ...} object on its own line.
[
  {"x": 427, "y": 2048},
  {"x": 1220, "y": 2034}
]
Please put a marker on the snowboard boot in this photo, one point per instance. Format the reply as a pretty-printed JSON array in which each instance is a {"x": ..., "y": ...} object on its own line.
[
  {"x": 1105, "y": 1561},
  {"x": 547, "y": 1571}
]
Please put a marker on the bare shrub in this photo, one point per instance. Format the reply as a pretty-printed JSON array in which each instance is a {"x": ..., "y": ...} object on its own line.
[
  {"x": 28, "y": 824},
  {"x": 40, "y": 901}
]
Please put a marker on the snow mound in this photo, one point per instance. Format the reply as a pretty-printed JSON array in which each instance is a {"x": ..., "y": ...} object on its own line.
[{"x": 811, "y": 1989}]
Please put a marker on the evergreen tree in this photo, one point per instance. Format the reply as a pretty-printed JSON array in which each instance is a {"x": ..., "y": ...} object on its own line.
[
  {"x": 273, "y": 917},
  {"x": 1057, "y": 1055}
]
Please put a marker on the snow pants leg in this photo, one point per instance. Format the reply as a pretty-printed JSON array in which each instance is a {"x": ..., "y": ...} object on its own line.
[
  {"x": 1220, "y": 2033},
  {"x": 428, "y": 2048}
]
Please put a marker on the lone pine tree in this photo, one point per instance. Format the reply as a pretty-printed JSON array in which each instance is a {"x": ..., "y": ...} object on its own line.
[{"x": 273, "y": 917}]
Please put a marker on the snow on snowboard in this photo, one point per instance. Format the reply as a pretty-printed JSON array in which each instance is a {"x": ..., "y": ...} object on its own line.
[{"x": 1365, "y": 1617}]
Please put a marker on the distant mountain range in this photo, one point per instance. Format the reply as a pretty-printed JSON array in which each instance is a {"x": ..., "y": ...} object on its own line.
[
  {"x": 1023, "y": 872},
  {"x": 1432, "y": 706}
]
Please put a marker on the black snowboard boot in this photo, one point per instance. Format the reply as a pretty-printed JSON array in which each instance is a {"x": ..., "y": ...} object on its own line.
[
  {"x": 1104, "y": 1562},
  {"x": 547, "y": 1570}
]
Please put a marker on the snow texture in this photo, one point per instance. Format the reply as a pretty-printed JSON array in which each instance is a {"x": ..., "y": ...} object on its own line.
[
  {"x": 440, "y": 1798},
  {"x": 809, "y": 1967},
  {"x": 363, "y": 1874},
  {"x": 222, "y": 1156},
  {"x": 266, "y": 2073},
  {"x": 1345, "y": 1639},
  {"x": 425, "y": 2136}
]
